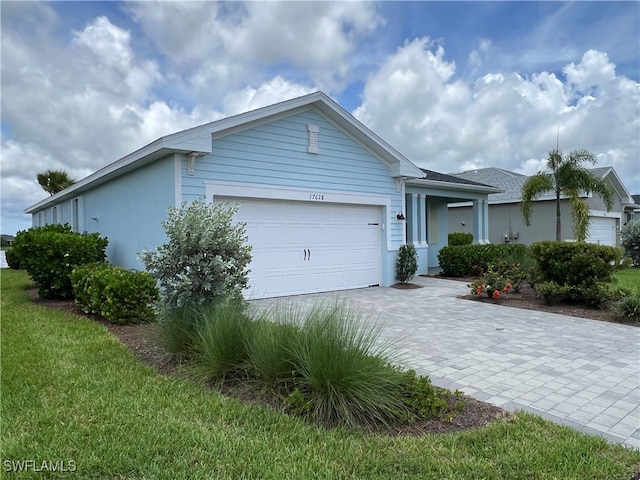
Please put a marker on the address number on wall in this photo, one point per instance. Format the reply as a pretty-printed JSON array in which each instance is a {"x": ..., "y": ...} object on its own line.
[{"x": 316, "y": 196}]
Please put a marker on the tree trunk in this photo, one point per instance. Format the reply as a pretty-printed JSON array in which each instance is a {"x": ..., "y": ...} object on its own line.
[{"x": 558, "y": 222}]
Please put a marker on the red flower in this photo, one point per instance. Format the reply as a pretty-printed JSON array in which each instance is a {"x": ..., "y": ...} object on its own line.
[
  {"x": 479, "y": 289},
  {"x": 496, "y": 294}
]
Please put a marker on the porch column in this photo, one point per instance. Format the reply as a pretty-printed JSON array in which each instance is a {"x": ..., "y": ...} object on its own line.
[
  {"x": 481, "y": 221},
  {"x": 422, "y": 218},
  {"x": 415, "y": 229}
]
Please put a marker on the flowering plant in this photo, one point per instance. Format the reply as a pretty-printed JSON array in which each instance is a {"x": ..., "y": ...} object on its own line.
[{"x": 491, "y": 284}]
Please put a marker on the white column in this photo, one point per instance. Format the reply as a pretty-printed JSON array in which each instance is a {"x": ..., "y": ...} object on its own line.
[
  {"x": 485, "y": 217},
  {"x": 414, "y": 225},
  {"x": 422, "y": 202}
]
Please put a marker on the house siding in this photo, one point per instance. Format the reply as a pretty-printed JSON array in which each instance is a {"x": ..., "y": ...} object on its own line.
[
  {"x": 128, "y": 211},
  {"x": 275, "y": 154},
  {"x": 507, "y": 217}
]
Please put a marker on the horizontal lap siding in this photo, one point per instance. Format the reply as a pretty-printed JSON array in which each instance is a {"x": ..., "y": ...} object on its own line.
[{"x": 276, "y": 154}]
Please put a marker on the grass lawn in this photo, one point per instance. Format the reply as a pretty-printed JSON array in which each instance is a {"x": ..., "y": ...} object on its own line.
[
  {"x": 629, "y": 278},
  {"x": 72, "y": 393}
]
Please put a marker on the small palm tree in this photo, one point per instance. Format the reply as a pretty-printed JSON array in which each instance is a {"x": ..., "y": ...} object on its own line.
[
  {"x": 567, "y": 177},
  {"x": 54, "y": 181}
]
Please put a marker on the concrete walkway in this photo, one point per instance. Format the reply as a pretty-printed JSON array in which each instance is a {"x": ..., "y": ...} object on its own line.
[{"x": 577, "y": 372}]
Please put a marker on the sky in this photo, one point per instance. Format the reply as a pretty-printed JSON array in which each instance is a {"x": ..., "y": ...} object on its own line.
[{"x": 453, "y": 86}]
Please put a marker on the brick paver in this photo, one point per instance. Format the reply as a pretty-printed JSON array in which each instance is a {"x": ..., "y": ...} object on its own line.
[{"x": 577, "y": 372}]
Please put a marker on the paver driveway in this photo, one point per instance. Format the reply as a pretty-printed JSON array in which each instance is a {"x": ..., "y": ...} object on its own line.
[{"x": 578, "y": 372}]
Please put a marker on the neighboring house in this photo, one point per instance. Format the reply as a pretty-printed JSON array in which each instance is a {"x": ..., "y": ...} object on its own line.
[
  {"x": 6, "y": 240},
  {"x": 324, "y": 198},
  {"x": 506, "y": 218}
]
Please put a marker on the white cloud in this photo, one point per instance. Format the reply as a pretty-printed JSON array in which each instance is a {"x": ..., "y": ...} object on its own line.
[
  {"x": 274, "y": 91},
  {"x": 224, "y": 46},
  {"x": 503, "y": 119}
]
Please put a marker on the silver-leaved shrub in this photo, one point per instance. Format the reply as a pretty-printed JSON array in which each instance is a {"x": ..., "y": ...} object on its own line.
[{"x": 205, "y": 258}]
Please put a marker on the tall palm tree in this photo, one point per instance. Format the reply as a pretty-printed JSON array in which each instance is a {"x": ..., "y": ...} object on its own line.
[
  {"x": 54, "y": 181},
  {"x": 567, "y": 177}
]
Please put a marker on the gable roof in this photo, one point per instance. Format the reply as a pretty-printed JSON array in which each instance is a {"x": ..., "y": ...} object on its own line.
[
  {"x": 511, "y": 183},
  {"x": 198, "y": 140}
]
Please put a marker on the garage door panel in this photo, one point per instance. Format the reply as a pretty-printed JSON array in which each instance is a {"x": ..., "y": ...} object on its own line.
[
  {"x": 343, "y": 241},
  {"x": 602, "y": 230}
]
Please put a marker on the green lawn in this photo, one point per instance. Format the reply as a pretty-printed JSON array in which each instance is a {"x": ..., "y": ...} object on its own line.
[
  {"x": 629, "y": 278},
  {"x": 72, "y": 393}
]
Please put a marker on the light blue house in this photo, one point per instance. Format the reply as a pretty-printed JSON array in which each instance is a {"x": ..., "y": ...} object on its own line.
[{"x": 326, "y": 201}]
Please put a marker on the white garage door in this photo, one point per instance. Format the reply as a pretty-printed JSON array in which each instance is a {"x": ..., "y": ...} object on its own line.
[
  {"x": 302, "y": 247},
  {"x": 602, "y": 230}
]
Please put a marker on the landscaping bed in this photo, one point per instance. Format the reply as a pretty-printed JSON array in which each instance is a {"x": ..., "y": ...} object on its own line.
[
  {"x": 140, "y": 339},
  {"x": 528, "y": 299}
]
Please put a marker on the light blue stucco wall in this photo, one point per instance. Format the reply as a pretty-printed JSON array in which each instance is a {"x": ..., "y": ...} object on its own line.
[
  {"x": 127, "y": 210},
  {"x": 130, "y": 209},
  {"x": 275, "y": 154}
]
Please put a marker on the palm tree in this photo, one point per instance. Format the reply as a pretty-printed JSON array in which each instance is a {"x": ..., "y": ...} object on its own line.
[
  {"x": 567, "y": 177},
  {"x": 54, "y": 181}
]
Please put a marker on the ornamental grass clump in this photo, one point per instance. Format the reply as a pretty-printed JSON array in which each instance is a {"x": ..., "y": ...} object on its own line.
[
  {"x": 223, "y": 332},
  {"x": 342, "y": 370}
]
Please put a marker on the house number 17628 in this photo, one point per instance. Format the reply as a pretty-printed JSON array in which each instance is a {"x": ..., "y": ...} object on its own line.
[{"x": 316, "y": 196}]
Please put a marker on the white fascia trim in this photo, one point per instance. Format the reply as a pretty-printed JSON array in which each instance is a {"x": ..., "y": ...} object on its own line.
[
  {"x": 603, "y": 213},
  {"x": 268, "y": 192},
  {"x": 454, "y": 186}
]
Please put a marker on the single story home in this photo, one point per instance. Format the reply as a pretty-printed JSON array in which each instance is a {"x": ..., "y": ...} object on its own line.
[
  {"x": 507, "y": 224},
  {"x": 326, "y": 201},
  {"x": 6, "y": 240}
]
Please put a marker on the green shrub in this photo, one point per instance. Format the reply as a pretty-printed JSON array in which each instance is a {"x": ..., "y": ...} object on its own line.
[
  {"x": 629, "y": 308},
  {"x": 221, "y": 338},
  {"x": 552, "y": 293},
  {"x": 13, "y": 259},
  {"x": 630, "y": 240},
  {"x": 342, "y": 370},
  {"x": 50, "y": 253},
  {"x": 206, "y": 257},
  {"x": 420, "y": 397},
  {"x": 466, "y": 260},
  {"x": 493, "y": 284},
  {"x": 586, "y": 268},
  {"x": 407, "y": 263},
  {"x": 592, "y": 294},
  {"x": 460, "y": 238},
  {"x": 118, "y": 295},
  {"x": 576, "y": 263}
]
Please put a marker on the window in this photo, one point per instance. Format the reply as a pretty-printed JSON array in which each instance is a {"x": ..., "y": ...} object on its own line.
[
  {"x": 77, "y": 215},
  {"x": 54, "y": 214}
]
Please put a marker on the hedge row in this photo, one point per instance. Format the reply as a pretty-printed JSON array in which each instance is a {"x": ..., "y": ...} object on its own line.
[
  {"x": 66, "y": 264},
  {"x": 466, "y": 260},
  {"x": 118, "y": 295}
]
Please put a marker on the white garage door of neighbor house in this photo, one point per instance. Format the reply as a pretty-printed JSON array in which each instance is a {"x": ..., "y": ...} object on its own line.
[
  {"x": 303, "y": 247},
  {"x": 602, "y": 230}
]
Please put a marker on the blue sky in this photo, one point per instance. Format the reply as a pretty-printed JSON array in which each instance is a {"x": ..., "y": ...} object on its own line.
[{"x": 451, "y": 85}]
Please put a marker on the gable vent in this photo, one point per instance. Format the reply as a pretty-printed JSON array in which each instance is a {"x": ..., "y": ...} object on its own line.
[{"x": 313, "y": 138}]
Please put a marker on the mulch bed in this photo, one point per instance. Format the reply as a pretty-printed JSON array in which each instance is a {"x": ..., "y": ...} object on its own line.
[{"x": 528, "y": 299}]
